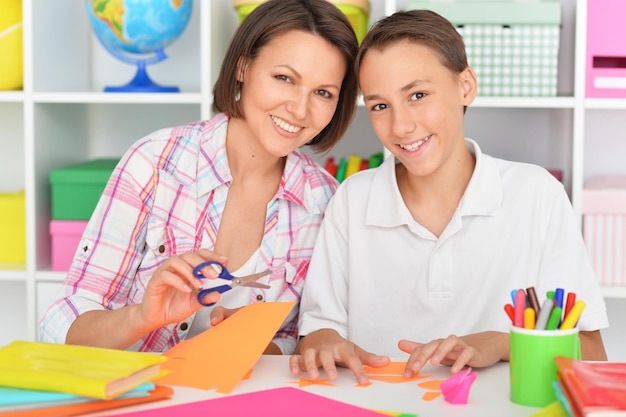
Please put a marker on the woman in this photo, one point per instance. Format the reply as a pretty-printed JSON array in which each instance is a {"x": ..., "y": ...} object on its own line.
[{"x": 234, "y": 189}]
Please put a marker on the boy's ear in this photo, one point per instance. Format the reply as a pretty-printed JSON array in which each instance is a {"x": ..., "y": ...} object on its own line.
[
  {"x": 242, "y": 65},
  {"x": 469, "y": 83}
]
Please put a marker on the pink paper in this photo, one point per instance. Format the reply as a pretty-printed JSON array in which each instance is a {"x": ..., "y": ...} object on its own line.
[
  {"x": 278, "y": 402},
  {"x": 456, "y": 388}
]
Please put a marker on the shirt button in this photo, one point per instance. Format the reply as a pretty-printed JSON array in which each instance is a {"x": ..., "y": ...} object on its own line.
[
  {"x": 184, "y": 326},
  {"x": 161, "y": 248},
  {"x": 259, "y": 297}
]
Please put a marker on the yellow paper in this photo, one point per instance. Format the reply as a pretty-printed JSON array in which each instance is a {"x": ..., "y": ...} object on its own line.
[
  {"x": 81, "y": 370},
  {"x": 222, "y": 355}
]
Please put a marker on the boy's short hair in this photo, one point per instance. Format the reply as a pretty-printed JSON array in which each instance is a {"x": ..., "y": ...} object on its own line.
[
  {"x": 273, "y": 18},
  {"x": 421, "y": 26}
]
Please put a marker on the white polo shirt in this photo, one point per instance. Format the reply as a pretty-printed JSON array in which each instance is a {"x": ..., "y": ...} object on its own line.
[{"x": 378, "y": 276}]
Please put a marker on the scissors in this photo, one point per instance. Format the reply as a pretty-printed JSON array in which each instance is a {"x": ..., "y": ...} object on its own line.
[{"x": 247, "y": 281}]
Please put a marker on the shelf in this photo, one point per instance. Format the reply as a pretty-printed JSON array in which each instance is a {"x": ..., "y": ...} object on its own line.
[
  {"x": 11, "y": 96},
  {"x": 525, "y": 102},
  {"x": 605, "y": 103},
  {"x": 614, "y": 292},
  {"x": 122, "y": 98},
  {"x": 50, "y": 276},
  {"x": 12, "y": 272}
]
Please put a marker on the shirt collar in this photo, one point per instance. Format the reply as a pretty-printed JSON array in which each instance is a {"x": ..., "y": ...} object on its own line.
[{"x": 483, "y": 195}]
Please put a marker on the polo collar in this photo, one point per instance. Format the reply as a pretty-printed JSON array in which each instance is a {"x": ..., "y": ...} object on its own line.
[{"x": 483, "y": 196}]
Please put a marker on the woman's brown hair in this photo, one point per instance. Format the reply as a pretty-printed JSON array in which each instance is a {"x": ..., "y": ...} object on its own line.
[{"x": 274, "y": 18}]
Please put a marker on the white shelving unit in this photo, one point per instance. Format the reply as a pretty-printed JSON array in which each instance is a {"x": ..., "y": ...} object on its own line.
[{"x": 62, "y": 116}]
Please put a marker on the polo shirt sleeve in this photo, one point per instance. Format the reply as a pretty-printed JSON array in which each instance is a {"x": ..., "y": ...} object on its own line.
[{"x": 325, "y": 294}]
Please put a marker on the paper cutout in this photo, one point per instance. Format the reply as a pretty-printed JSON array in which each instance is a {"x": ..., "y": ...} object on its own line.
[
  {"x": 278, "y": 402},
  {"x": 431, "y": 395},
  {"x": 397, "y": 379},
  {"x": 222, "y": 355},
  {"x": 305, "y": 382},
  {"x": 394, "y": 368},
  {"x": 456, "y": 388}
]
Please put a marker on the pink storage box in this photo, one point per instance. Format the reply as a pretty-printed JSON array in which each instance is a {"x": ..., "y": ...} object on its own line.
[
  {"x": 66, "y": 235},
  {"x": 606, "y": 49},
  {"x": 604, "y": 228}
]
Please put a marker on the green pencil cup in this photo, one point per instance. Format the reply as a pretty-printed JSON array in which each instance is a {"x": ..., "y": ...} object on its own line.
[{"x": 532, "y": 367}]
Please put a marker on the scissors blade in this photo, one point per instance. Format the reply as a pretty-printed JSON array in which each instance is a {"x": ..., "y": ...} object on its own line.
[{"x": 249, "y": 280}]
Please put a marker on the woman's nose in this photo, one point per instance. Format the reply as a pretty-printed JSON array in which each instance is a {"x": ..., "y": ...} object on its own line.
[{"x": 298, "y": 105}]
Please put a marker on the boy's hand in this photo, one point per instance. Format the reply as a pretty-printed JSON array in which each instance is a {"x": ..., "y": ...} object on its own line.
[
  {"x": 326, "y": 348},
  {"x": 476, "y": 350}
]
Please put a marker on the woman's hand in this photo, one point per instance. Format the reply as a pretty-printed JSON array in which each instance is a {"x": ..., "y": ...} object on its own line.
[
  {"x": 476, "y": 350},
  {"x": 171, "y": 295},
  {"x": 326, "y": 348}
]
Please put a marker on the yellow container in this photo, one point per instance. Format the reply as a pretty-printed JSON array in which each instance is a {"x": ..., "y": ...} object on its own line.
[
  {"x": 12, "y": 227},
  {"x": 357, "y": 12},
  {"x": 11, "y": 72}
]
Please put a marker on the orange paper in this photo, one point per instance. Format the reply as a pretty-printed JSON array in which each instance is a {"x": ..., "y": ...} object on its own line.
[{"x": 222, "y": 355}]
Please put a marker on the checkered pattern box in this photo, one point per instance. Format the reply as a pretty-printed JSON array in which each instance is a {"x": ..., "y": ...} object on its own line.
[
  {"x": 604, "y": 227},
  {"x": 511, "y": 45}
]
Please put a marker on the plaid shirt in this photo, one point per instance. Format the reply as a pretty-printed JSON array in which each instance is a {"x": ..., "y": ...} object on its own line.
[{"x": 166, "y": 197}]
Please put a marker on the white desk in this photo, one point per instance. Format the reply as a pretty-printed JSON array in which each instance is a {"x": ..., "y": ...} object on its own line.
[{"x": 488, "y": 397}]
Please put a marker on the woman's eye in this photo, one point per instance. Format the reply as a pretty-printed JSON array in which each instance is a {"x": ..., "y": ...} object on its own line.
[
  {"x": 379, "y": 107},
  {"x": 323, "y": 93},
  {"x": 417, "y": 96},
  {"x": 283, "y": 78}
]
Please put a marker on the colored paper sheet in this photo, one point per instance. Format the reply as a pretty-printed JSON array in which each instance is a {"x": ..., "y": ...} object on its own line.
[
  {"x": 456, "y": 388},
  {"x": 221, "y": 356},
  {"x": 159, "y": 393},
  {"x": 278, "y": 402},
  {"x": 553, "y": 409}
]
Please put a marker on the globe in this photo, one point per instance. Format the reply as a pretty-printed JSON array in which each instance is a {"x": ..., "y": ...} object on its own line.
[{"x": 136, "y": 32}]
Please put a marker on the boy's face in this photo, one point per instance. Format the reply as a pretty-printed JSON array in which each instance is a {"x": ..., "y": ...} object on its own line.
[{"x": 416, "y": 104}]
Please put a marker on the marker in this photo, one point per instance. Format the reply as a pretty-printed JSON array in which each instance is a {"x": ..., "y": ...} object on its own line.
[
  {"x": 534, "y": 301},
  {"x": 555, "y": 318},
  {"x": 559, "y": 294},
  {"x": 571, "y": 300},
  {"x": 520, "y": 306},
  {"x": 570, "y": 320},
  {"x": 550, "y": 294},
  {"x": 513, "y": 292},
  {"x": 542, "y": 318},
  {"x": 529, "y": 318},
  {"x": 510, "y": 311}
]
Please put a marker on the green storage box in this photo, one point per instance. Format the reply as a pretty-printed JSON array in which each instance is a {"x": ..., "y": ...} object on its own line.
[
  {"x": 77, "y": 188},
  {"x": 511, "y": 45}
]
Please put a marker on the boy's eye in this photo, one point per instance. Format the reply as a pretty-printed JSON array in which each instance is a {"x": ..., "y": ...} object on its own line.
[
  {"x": 417, "y": 96},
  {"x": 379, "y": 107}
]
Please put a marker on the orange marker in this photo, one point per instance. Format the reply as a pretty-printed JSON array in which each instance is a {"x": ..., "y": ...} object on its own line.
[{"x": 529, "y": 318}]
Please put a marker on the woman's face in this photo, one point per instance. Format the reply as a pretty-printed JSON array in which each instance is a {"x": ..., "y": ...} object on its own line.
[{"x": 290, "y": 91}]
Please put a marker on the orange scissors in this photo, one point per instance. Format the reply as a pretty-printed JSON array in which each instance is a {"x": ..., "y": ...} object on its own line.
[{"x": 246, "y": 281}]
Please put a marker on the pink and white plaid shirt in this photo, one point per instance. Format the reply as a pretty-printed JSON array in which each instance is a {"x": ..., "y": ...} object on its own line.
[{"x": 166, "y": 197}]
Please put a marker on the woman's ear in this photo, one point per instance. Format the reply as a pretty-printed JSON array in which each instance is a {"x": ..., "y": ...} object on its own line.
[
  {"x": 242, "y": 66},
  {"x": 469, "y": 83}
]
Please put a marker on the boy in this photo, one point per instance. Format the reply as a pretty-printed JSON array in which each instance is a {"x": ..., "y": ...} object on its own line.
[{"x": 429, "y": 245}]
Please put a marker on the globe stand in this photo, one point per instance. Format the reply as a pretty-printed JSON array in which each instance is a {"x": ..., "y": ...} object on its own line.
[{"x": 141, "y": 83}]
